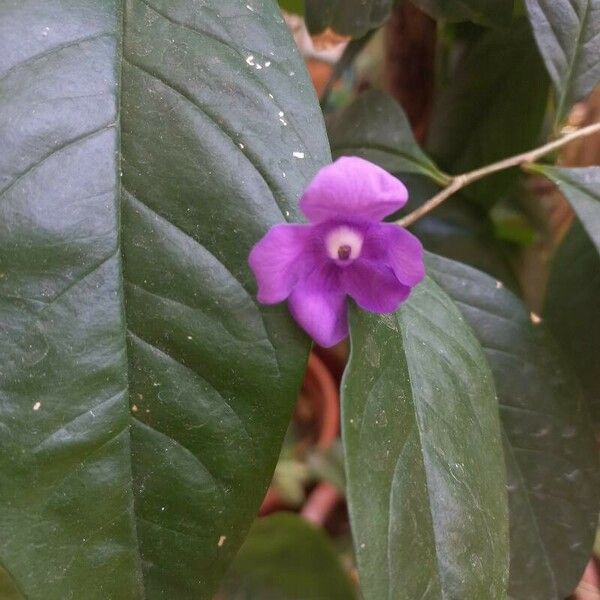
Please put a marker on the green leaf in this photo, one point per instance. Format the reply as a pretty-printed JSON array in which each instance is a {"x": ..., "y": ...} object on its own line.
[
  {"x": 485, "y": 12},
  {"x": 574, "y": 286},
  {"x": 568, "y": 36},
  {"x": 492, "y": 107},
  {"x": 144, "y": 393},
  {"x": 293, "y": 6},
  {"x": 351, "y": 18},
  {"x": 551, "y": 457},
  {"x": 581, "y": 187},
  {"x": 375, "y": 127},
  {"x": 426, "y": 480},
  {"x": 571, "y": 309},
  {"x": 286, "y": 558}
]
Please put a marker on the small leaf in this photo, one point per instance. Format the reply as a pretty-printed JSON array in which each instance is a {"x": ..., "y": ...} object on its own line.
[
  {"x": 286, "y": 558},
  {"x": 485, "y": 12},
  {"x": 492, "y": 107},
  {"x": 581, "y": 187},
  {"x": 145, "y": 394},
  {"x": 351, "y": 18},
  {"x": 375, "y": 127},
  {"x": 568, "y": 35},
  {"x": 551, "y": 458},
  {"x": 571, "y": 309},
  {"x": 426, "y": 480}
]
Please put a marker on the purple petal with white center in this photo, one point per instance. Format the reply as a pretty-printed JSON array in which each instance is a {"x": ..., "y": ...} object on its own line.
[
  {"x": 352, "y": 187},
  {"x": 279, "y": 259},
  {"x": 374, "y": 286},
  {"x": 398, "y": 249},
  {"x": 319, "y": 306}
]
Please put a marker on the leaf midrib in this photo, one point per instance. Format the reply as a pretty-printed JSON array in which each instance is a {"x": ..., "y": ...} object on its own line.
[
  {"x": 119, "y": 217},
  {"x": 402, "y": 329},
  {"x": 573, "y": 63}
]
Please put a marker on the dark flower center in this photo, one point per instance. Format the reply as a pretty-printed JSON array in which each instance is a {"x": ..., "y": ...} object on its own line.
[{"x": 344, "y": 252}]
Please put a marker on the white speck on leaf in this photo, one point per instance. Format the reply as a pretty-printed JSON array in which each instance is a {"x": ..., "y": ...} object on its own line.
[{"x": 535, "y": 318}]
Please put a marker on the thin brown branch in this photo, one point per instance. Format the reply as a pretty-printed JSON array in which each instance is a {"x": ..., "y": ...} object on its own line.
[{"x": 460, "y": 181}]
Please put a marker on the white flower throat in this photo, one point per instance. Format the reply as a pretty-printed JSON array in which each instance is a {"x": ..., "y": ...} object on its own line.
[{"x": 343, "y": 244}]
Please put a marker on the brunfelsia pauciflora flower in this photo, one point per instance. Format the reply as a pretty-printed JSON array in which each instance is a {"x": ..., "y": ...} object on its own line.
[{"x": 344, "y": 251}]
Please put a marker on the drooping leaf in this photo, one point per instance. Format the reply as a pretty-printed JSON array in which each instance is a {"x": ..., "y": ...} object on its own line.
[
  {"x": 485, "y": 12},
  {"x": 568, "y": 36},
  {"x": 492, "y": 107},
  {"x": 581, "y": 188},
  {"x": 286, "y": 558},
  {"x": 551, "y": 458},
  {"x": 375, "y": 127},
  {"x": 571, "y": 309},
  {"x": 425, "y": 474},
  {"x": 144, "y": 394},
  {"x": 351, "y": 18}
]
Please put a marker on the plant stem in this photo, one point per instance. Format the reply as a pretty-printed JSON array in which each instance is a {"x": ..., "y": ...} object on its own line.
[{"x": 458, "y": 182}]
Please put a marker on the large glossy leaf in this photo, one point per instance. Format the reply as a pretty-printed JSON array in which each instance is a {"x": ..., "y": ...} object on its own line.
[
  {"x": 347, "y": 17},
  {"x": 286, "y": 558},
  {"x": 144, "y": 394},
  {"x": 571, "y": 309},
  {"x": 425, "y": 473},
  {"x": 568, "y": 35},
  {"x": 553, "y": 476},
  {"x": 486, "y": 12},
  {"x": 375, "y": 127},
  {"x": 491, "y": 107}
]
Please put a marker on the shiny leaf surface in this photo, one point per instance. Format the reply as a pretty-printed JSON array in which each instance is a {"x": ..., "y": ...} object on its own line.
[
  {"x": 568, "y": 35},
  {"x": 144, "y": 394},
  {"x": 426, "y": 480},
  {"x": 551, "y": 459}
]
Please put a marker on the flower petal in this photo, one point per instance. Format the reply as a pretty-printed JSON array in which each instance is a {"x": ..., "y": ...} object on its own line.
[
  {"x": 374, "y": 286},
  {"x": 398, "y": 249},
  {"x": 279, "y": 259},
  {"x": 319, "y": 306},
  {"x": 352, "y": 187}
]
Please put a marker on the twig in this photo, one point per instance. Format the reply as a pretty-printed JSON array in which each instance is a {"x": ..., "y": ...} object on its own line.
[{"x": 460, "y": 181}]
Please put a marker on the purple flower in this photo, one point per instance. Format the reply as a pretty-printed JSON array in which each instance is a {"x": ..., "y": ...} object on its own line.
[{"x": 344, "y": 251}]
